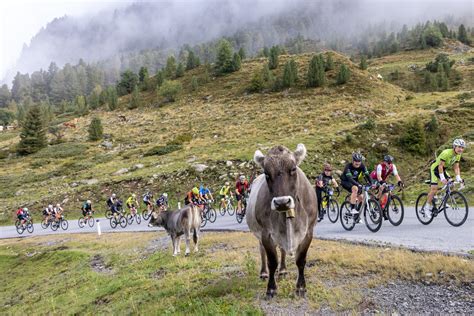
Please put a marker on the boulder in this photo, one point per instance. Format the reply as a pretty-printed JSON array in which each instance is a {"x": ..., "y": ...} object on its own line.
[
  {"x": 107, "y": 144},
  {"x": 90, "y": 181},
  {"x": 121, "y": 171},
  {"x": 229, "y": 163},
  {"x": 200, "y": 167}
]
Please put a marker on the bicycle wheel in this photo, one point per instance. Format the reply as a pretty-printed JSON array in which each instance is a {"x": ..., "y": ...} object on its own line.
[
  {"x": 30, "y": 227},
  {"x": 129, "y": 219},
  {"x": 373, "y": 216},
  {"x": 239, "y": 217},
  {"x": 54, "y": 225},
  {"x": 456, "y": 209},
  {"x": 44, "y": 225},
  {"x": 123, "y": 221},
  {"x": 146, "y": 215},
  {"x": 230, "y": 209},
  {"x": 332, "y": 209},
  {"x": 113, "y": 222},
  {"x": 138, "y": 218},
  {"x": 396, "y": 210},
  {"x": 91, "y": 221},
  {"x": 81, "y": 222},
  {"x": 222, "y": 211},
  {"x": 108, "y": 214},
  {"x": 19, "y": 227},
  {"x": 424, "y": 215},
  {"x": 203, "y": 220},
  {"x": 212, "y": 215},
  {"x": 347, "y": 219},
  {"x": 64, "y": 224}
]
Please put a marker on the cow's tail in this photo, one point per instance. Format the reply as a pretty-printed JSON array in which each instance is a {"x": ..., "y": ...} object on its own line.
[
  {"x": 195, "y": 236},
  {"x": 196, "y": 218}
]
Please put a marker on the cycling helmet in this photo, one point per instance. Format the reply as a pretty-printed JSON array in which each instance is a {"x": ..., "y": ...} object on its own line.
[
  {"x": 388, "y": 158},
  {"x": 327, "y": 167},
  {"x": 458, "y": 142},
  {"x": 50, "y": 206},
  {"x": 134, "y": 195},
  {"x": 25, "y": 209},
  {"x": 356, "y": 157},
  {"x": 165, "y": 194},
  {"x": 88, "y": 202},
  {"x": 113, "y": 195},
  {"x": 195, "y": 190},
  {"x": 227, "y": 183},
  {"x": 242, "y": 178},
  {"x": 58, "y": 205}
]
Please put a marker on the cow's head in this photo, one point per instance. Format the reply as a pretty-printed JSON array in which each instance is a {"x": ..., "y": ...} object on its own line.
[
  {"x": 280, "y": 167},
  {"x": 157, "y": 219}
]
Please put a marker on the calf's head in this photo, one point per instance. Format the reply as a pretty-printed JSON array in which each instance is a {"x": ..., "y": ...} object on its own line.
[
  {"x": 157, "y": 219},
  {"x": 280, "y": 166}
]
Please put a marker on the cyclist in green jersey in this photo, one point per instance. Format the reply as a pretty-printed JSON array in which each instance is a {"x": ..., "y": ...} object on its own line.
[
  {"x": 447, "y": 159},
  {"x": 223, "y": 193}
]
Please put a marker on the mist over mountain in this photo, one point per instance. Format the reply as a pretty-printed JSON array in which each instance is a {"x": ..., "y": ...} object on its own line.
[{"x": 167, "y": 25}]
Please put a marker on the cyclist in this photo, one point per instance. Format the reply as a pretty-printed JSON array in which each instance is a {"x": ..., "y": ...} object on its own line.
[
  {"x": 162, "y": 202},
  {"x": 192, "y": 197},
  {"x": 322, "y": 182},
  {"x": 58, "y": 211},
  {"x": 87, "y": 208},
  {"x": 22, "y": 214},
  {"x": 224, "y": 192},
  {"x": 447, "y": 159},
  {"x": 47, "y": 212},
  {"x": 132, "y": 203},
  {"x": 241, "y": 189},
  {"x": 382, "y": 171},
  {"x": 148, "y": 200},
  {"x": 112, "y": 203},
  {"x": 350, "y": 180},
  {"x": 205, "y": 193}
]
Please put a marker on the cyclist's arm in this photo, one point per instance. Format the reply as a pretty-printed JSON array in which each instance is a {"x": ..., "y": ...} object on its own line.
[
  {"x": 334, "y": 183},
  {"x": 457, "y": 170},
  {"x": 441, "y": 170},
  {"x": 379, "y": 172}
]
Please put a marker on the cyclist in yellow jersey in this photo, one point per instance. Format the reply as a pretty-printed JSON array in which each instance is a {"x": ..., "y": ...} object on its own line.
[
  {"x": 132, "y": 203},
  {"x": 447, "y": 159},
  {"x": 223, "y": 193}
]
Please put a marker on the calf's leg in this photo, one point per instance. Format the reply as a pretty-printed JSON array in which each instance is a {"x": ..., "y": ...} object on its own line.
[
  {"x": 173, "y": 241},
  {"x": 264, "y": 268},
  {"x": 272, "y": 258},
  {"x": 188, "y": 241},
  {"x": 282, "y": 271},
  {"x": 300, "y": 263},
  {"x": 196, "y": 239}
]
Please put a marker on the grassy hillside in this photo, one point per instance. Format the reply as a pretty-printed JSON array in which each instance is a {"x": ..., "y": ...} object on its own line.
[
  {"x": 221, "y": 121},
  {"x": 137, "y": 274}
]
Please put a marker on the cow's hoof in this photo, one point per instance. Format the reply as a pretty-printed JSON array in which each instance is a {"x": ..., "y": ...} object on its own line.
[
  {"x": 301, "y": 292},
  {"x": 186, "y": 254},
  {"x": 270, "y": 294},
  {"x": 175, "y": 254},
  {"x": 282, "y": 273},
  {"x": 263, "y": 275}
]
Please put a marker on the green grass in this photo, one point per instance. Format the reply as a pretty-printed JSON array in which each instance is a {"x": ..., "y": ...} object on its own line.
[{"x": 53, "y": 274}]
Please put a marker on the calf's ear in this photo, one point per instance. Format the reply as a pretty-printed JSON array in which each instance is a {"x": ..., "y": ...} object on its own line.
[
  {"x": 258, "y": 157},
  {"x": 300, "y": 154}
]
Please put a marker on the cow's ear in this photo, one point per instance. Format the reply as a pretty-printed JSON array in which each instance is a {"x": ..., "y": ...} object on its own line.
[
  {"x": 258, "y": 158},
  {"x": 300, "y": 154}
]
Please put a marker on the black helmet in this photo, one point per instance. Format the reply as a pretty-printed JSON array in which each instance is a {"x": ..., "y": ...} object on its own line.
[
  {"x": 388, "y": 158},
  {"x": 356, "y": 157}
]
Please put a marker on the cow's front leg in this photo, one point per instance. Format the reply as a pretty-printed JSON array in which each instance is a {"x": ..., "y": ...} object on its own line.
[
  {"x": 300, "y": 263},
  {"x": 272, "y": 258},
  {"x": 178, "y": 244},
  {"x": 188, "y": 241},
  {"x": 264, "y": 268},
  {"x": 196, "y": 239},
  {"x": 174, "y": 241},
  {"x": 282, "y": 271}
]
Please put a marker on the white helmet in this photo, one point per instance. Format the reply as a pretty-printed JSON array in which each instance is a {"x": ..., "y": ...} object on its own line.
[
  {"x": 58, "y": 205},
  {"x": 459, "y": 143},
  {"x": 25, "y": 209},
  {"x": 227, "y": 183},
  {"x": 88, "y": 202},
  {"x": 165, "y": 194},
  {"x": 134, "y": 195},
  {"x": 50, "y": 206},
  {"x": 113, "y": 195},
  {"x": 242, "y": 178}
]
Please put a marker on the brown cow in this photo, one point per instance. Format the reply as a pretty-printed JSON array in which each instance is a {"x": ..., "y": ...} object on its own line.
[
  {"x": 282, "y": 212},
  {"x": 177, "y": 223}
]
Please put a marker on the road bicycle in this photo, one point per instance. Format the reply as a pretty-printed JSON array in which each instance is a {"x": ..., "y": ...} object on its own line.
[{"x": 370, "y": 208}]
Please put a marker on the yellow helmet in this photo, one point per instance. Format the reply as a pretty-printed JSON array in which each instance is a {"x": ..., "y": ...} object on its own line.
[{"x": 195, "y": 190}]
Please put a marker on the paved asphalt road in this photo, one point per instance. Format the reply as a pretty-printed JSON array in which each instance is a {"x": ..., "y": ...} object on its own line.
[{"x": 438, "y": 236}]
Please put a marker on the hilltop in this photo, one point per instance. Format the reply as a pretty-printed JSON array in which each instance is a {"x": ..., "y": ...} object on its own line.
[{"x": 221, "y": 122}]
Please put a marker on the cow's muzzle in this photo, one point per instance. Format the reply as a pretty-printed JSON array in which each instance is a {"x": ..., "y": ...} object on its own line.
[{"x": 283, "y": 203}]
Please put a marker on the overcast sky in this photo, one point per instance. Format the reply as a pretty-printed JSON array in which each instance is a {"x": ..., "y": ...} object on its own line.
[{"x": 20, "y": 20}]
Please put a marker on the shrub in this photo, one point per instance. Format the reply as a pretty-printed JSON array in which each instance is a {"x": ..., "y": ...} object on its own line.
[
  {"x": 413, "y": 139},
  {"x": 95, "y": 129},
  {"x": 170, "y": 90},
  {"x": 343, "y": 75},
  {"x": 162, "y": 150}
]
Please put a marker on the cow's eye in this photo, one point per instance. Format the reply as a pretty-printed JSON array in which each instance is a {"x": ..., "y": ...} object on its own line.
[
  {"x": 267, "y": 176},
  {"x": 293, "y": 171}
]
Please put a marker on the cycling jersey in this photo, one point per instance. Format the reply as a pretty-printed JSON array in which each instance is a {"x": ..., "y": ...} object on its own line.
[
  {"x": 162, "y": 201},
  {"x": 324, "y": 178},
  {"x": 131, "y": 201},
  {"x": 224, "y": 190},
  {"x": 86, "y": 207},
  {"x": 384, "y": 171},
  {"x": 147, "y": 198},
  {"x": 242, "y": 187},
  {"x": 449, "y": 157},
  {"x": 351, "y": 174}
]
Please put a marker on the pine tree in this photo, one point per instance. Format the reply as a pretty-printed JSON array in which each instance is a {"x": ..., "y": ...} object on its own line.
[
  {"x": 442, "y": 78},
  {"x": 80, "y": 105},
  {"x": 316, "y": 75},
  {"x": 294, "y": 70},
  {"x": 290, "y": 74},
  {"x": 33, "y": 135},
  {"x": 329, "y": 64},
  {"x": 267, "y": 75},
  {"x": 128, "y": 80},
  {"x": 363, "y": 62},
  {"x": 5, "y": 96},
  {"x": 160, "y": 77},
  {"x": 462, "y": 35},
  {"x": 266, "y": 52},
  {"x": 170, "y": 90},
  {"x": 343, "y": 75},
  {"x": 256, "y": 84},
  {"x": 135, "y": 99},
  {"x": 413, "y": 138},
  {"x": 170, "y": 68},
  {"x": 206, "y": 77},
  {"x": 179, "y": 70},
  {"x": 95, "y": 129},
  {"x": 20, "y": 114},
  {"x": 236, "y": 62},
  {"x": 191, "y": 61},
  {"x": 242, "y": 53},
  {"x": 273, "y": 58},
  {"x": 224, "y": 62},
  {"x": 112, "y": 99},
  {"x": 194, "y": 83},
  {"x": 143, "y": 74}
]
